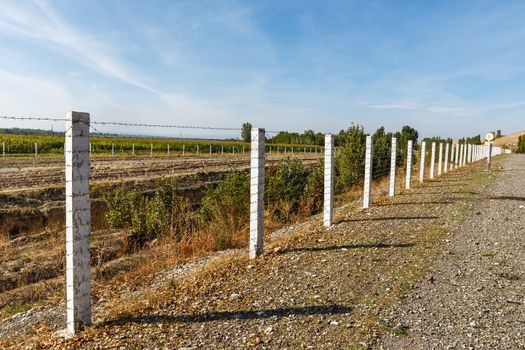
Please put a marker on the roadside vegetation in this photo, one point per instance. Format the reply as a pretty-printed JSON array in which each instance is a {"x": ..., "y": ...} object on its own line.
[
  {"x": 292, "y": 192},
  {"x": 521, "y": 144}
]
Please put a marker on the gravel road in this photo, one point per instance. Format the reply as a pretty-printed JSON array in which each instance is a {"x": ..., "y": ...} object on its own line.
[{"x": 473, "y": 297}]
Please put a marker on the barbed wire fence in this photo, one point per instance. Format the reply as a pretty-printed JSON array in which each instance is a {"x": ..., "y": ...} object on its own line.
[{"x": 78, "y": 149}]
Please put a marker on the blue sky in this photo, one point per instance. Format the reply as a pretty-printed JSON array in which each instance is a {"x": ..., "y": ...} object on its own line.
[{"x": 448, "y": 68}]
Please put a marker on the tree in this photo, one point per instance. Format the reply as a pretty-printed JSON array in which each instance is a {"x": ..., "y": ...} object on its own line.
[
  {"x": 246, "y": 132},
  {"x": 498, "y": 133},
  {"x": 521, "y": 144}
]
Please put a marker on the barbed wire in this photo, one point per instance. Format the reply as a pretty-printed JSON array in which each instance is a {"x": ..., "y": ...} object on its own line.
[
  {"x": 148, "y": 125},
  {"x": 34, "y": 118}
]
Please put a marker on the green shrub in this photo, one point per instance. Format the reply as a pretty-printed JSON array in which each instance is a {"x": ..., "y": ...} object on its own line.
[
  {"x": 285, "y": 188},
  {"x": 314, "y": 191},
  {"x": 350, "y": 158},
  {"x": 225, "y": 208},
  {"x": 150, "y": 217},
  {"x": 521, "y": 144}
]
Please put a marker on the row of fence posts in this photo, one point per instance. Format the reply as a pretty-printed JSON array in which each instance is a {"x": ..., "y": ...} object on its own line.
[
  {"x": 305, "y": 150},
  {"x": 78, "y": 207}
]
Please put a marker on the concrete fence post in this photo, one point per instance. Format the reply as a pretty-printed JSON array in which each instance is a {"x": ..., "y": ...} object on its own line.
[
  {"x": 78, "y": 222},
  {"x": 432, "y": 160},
  {"x": 440, "y": 160},
  {"x": 445, "y": 164},
  {"x": 211, "y": 147},
  {"x": 368, "y": 172},
  {"x": 489, "y": 155},
  {"x": 242, "y": 149},
  {"x": 3, "y": 149},
  {"x": 233, "y": 150},
  {"x": 408, "y": 179},
  {"x": 270, "y": 149},
  {"x": 257, "y": 193},
  {"x": 133, "y": 149},
  {"x": 151, "y": 149},
  {"x": 452, "y": 148},
  {"x": 393, "y": 158},
  {"x": 456, "y": 160},
  {"x": 197, "y": 150},
  {"x": 183, "y": 149},
  {"x": 36, "y": 149},
  {"x": 328, "y": 179},
  {"x": 465, "y": 154},
  {"x": 422, "y": 165},
  {"x": 470, "y": 153},
  {"x": 461, "y": 155},
  {"x": 112, "y": 149},
  {"x": 222, "y": 150}
]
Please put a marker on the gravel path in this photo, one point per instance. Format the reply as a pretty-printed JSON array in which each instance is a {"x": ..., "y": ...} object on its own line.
[{"x": 474, "y": 295}]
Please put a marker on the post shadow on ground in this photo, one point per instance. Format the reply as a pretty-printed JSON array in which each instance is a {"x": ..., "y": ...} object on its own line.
[
  {"x": 442, "y": 193},
  {"x": 347, "y": 246},
  {"x": 415, "y": 203},
  {"x": 332, "y": 309},
  {"x": 388, "y": 218},
  {"x": 510, "y": 198}
]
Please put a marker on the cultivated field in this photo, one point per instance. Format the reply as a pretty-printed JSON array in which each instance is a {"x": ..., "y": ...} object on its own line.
[{"x": 32, "y": 215}]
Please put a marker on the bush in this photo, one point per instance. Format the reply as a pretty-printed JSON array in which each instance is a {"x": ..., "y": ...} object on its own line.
[
  {"x": 521, "y": 144},
  {"x": 225, "y": 209},
  {"x": 285, "y": 188},
  {"x": 150, "y": 217},
  {"x": 350, "y": 158},
  {"x": 314, "y": 191}
]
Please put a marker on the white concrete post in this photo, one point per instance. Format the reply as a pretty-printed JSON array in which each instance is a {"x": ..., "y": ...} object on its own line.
[
  {"x": 465, "y": 153},
  {"x": 112, "y": 149},
  {"x": 456, "y": 159},
  {"x": 410, "y": 147},
  {"x": 489, "y": 155},
  {"x": 368, "y": 172},
  {"x": 432, "y": 160},
  {"x": 242, "y": 149},
  {"x": 133, "y": 149},
  {"x": 257, "y": 193},
  {"x": 422, "y": 165},
  {"x": 452, "y": 148},
  {"x": 469, "y": 153},
  {"x": 183, "y": 149},
  {"x": 393, "y": 158},
  {"x": 151, "y": 150},
  {"x": 211, "y": 147},
  {"x": 78, "y": 222},
  {"x": 270, "y": 149},
  {"x": 222, "y": 149},
  {"x": 440, "y": 160},
  {"x": 36, "y": 149},
  {"x": 461, "y": 155},
  {"x": 233, "y": 150},
  {"x": 328, "y": 179},
  {"x": 3, "y": 149},
  {"x": 168, "y": 149},
  {"x": 447, "y": 149},
  {"x": 197, "y": 149}
]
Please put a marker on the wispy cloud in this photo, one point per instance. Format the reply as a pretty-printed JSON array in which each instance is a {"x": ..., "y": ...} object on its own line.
[{"x": 43, "y": 23}]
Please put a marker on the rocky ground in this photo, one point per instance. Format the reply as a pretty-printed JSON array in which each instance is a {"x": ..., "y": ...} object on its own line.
[
  {"x": 473, "y": 297},
  {"x": 364, "y": 283}
]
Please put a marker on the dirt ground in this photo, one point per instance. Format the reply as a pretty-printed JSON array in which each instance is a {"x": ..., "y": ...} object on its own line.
[{"x": 314, "y": 288}]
